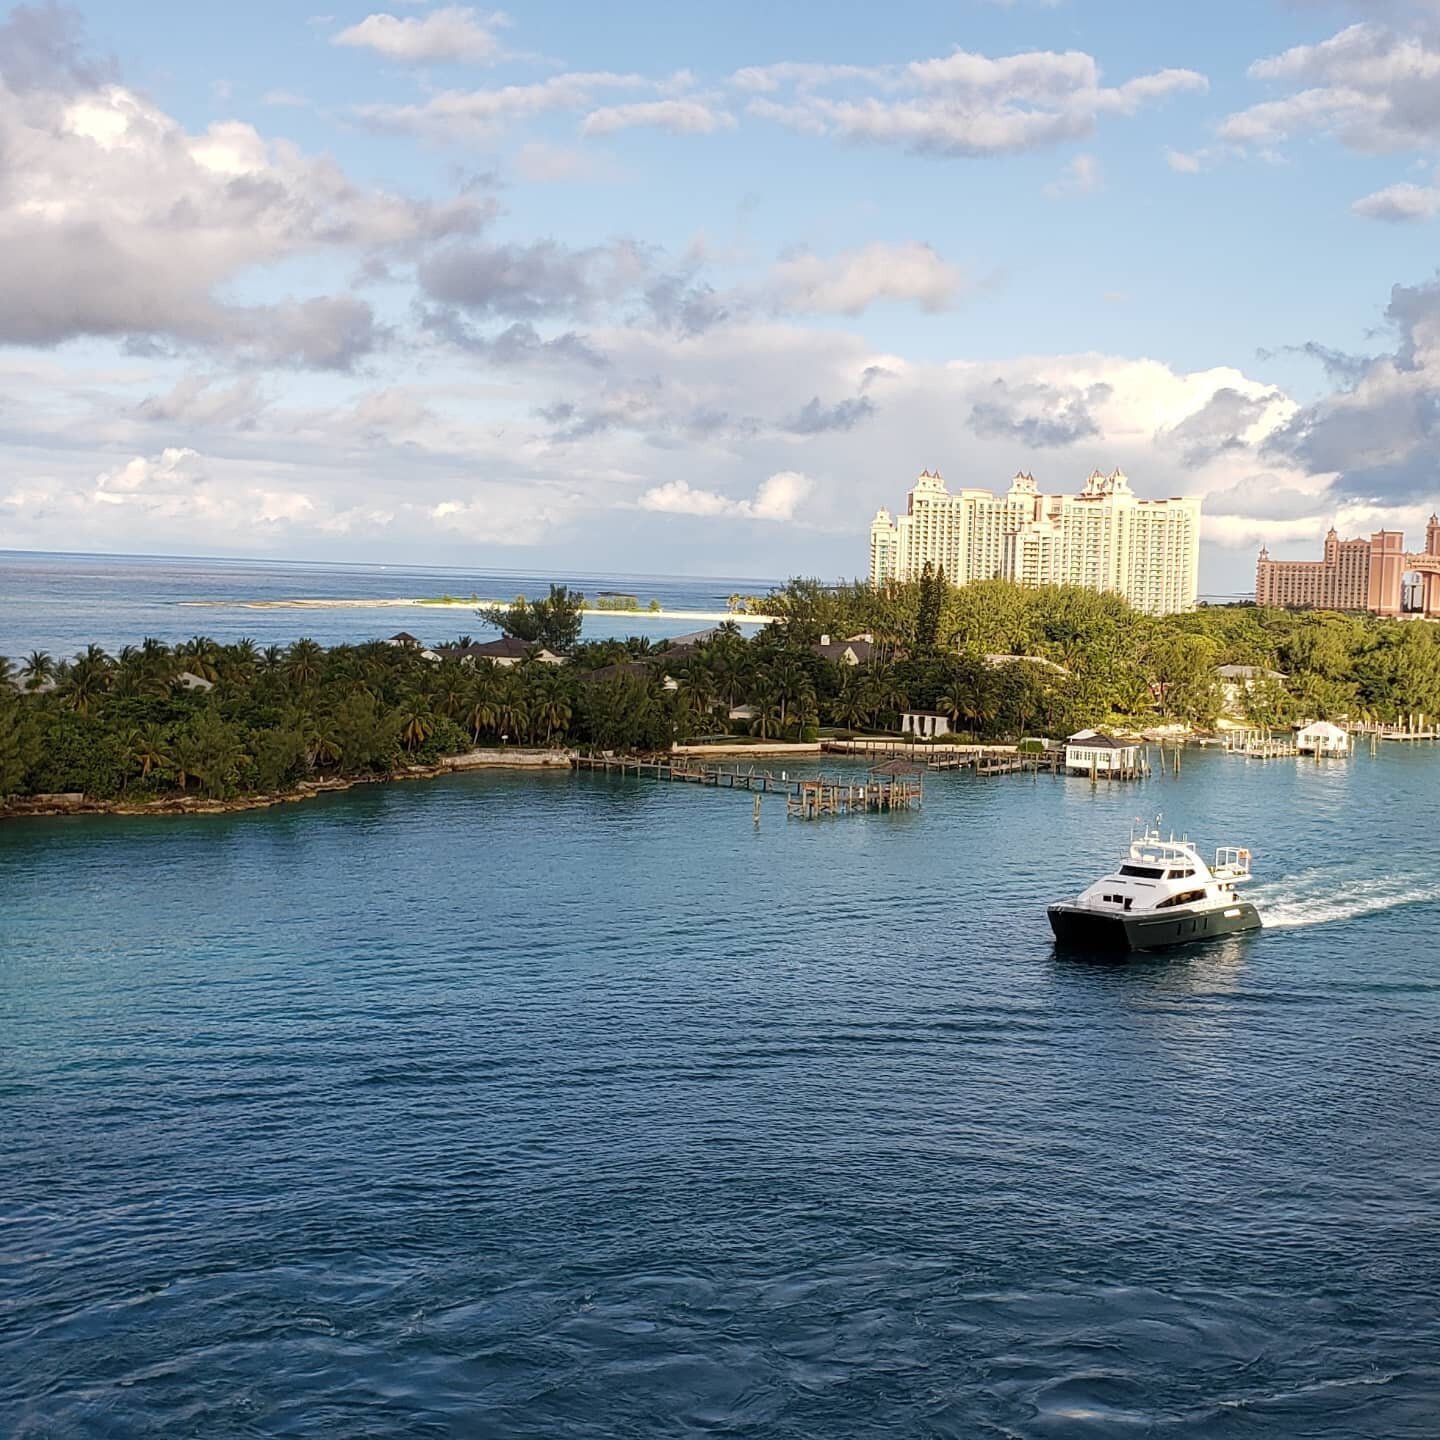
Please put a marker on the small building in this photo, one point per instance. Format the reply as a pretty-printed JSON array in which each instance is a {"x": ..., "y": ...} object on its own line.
[
  {"x": 924, "y": 724},
  {"x": 744, "y": 712},
  {"x": 187, "y": 680},
  {"x": 1089, "y": 752},
  {"x": 1322, "y": 737},
  {"x": 1236, "y": 681},
  {"x": 505, "y": 653},
  {"x": 858, "y": 650},
  {"x": 404, "y": 640}
]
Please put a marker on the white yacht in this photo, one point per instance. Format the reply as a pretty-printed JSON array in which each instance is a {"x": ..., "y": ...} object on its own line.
[{"x": 1161, "y": 894}]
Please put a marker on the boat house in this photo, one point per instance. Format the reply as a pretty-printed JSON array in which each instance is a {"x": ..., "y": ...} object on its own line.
[
  {"x": 924, "y": 724},
  {"x": 1321, "y": 737},
  {"x": 1089, "y": 752}
]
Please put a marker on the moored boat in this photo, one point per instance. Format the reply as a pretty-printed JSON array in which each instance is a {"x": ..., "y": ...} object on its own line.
[{"x": 1162, "y": 894}]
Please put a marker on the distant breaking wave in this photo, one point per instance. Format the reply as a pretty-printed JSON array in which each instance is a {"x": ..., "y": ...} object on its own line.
[{"x": 1318, "y": 897}]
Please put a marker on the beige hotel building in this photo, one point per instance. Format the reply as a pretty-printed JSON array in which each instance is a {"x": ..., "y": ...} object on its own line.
[{"x": 1104, "y": 538}]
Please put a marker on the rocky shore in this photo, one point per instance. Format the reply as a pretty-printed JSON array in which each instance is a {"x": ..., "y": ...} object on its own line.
[{"x": 78, "y": 804}]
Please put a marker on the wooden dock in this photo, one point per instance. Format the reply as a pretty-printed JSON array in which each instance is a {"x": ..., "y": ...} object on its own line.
[
  {"x": 893, "y": 786},
  {"x": 1261, "y": 745},
  {"x": 1412, "y": 727}
]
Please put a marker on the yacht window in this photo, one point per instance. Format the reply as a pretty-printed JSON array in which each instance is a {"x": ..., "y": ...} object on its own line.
[
  {"x": 1178, "y": 874},
  {"x": 1129, "y": 901},
  {"x": 1185, "y": 897},
  {"x": 1145, "y": 872}
]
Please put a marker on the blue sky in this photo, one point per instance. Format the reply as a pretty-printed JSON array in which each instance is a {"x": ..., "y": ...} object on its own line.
[{"x": 651, "y": 287}]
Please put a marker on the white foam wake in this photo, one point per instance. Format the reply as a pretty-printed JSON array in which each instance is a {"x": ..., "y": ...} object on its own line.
[{"x": 1318, "y": 897}]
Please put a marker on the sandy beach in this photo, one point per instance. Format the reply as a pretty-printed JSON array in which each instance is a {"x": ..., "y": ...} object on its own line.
[{"x": 714, "y": 617}]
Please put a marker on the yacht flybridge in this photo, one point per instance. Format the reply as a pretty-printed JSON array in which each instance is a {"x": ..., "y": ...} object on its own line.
[{"x": 1161, "y": 894}]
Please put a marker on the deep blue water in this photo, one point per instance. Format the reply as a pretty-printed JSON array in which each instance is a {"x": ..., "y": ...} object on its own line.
[
  {"x": 526, "y": 1106},
  {"x": 61, "y": 603}
]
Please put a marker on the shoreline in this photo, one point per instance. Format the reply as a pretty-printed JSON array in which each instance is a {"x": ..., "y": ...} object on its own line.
[
  {"x": 51, "y": 806},
  {"x": 403, "y": 604}
]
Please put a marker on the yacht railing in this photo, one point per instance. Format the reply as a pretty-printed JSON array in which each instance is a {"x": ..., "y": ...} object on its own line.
[{"x": 1231, "y": 863}]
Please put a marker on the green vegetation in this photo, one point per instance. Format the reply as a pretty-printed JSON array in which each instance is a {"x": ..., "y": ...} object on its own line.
[
  {"x": 470, "y": 599},
  {"x": 617, "y": 602},
  {"x": 1001, "y": 662},
  {"x": 552, "y": 622}
]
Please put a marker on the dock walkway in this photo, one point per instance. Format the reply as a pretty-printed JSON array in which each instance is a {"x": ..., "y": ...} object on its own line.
[{"x": 806, "y": 797}]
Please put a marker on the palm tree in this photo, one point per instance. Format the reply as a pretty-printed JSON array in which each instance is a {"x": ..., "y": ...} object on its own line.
[
  {"x": 39, "y": 668},
  {"x": 200, "y": 656},
  {"x": 149, "y": 749},
  {"x": 303, "y": 663},
  {"x": 850, "y": 707},
  {"x": 416, "y": 721},
  {"x": 86, "y": 680},
  {"x": 512, "y": 716},
  {"x": 553, "y": 709},
  {"x": 482, "y": 713},
  {"x": 7, "y": 670}
]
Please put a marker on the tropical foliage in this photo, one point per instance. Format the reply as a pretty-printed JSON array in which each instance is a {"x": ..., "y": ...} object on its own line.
[{"x": 1000, "y": 661}]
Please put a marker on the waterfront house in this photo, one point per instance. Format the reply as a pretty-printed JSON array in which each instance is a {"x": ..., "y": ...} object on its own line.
[
  {"x": 1090, "y": 752},
  {"x": 1236, "y": 681},
  {"x": 186, "y": 680},
  {"x": 1321, "y": 737},
  {"x": 404, "y": 640},
  {"x": 924, "y": 724}
]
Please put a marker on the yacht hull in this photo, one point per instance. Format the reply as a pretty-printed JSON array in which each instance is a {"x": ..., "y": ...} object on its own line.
[{"x": 1080, "y": 927}]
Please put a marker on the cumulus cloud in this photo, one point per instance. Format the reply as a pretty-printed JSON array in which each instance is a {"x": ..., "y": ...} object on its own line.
[
  {"x": 679, "y": 117},
  {"x": 963, "y": 104},
  {"x": 173, "y": 467},
  {"x": 851, "y": 282},
  {"x": 1374, "y": 88},
  {"x": 776, "y": 498},
  {"x": 117, "y": 221},
  {"x": 455, "y": 33},
  {"x": 1400, "y": 204},
  {"x": 1378, "y": 436},
  {"x": 1038, "y": 415}
]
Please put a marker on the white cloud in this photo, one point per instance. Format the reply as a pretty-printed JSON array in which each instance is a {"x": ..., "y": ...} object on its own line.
[
  {"x": 680, "y": 117},
  {"x": 1082, "y": 177},
  {"x": 960, "y": 104},
  {"x": 1373, "y": 88},
  {"x": 776, "y": 498},
  {"x": 456, "y": 34},
  {"x": 1400, "y": 203},
  {"x": 1183, "y": 162},
  {"x": 463, "y": 116},
  {"x": 175, "y": 467},
  {"x": 117, "y": 221},
  {"x": 849, "y": 283}
]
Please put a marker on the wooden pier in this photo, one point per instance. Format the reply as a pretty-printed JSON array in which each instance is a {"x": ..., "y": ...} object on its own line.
[
  {"x": 1261, "y": 745},
  {"x": 1409, "y": 727},
  {"x": 895, "y": 785}
]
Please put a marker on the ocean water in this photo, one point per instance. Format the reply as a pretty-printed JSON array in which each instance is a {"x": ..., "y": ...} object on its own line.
[
  {"x": 61, "y": 603},
  {"x": 542, "y": 1105}
]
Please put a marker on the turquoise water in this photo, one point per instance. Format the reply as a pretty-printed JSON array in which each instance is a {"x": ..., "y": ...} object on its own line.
[
  {"x": 523, "y": 1106},
  {"x": 62, "y": 603}
]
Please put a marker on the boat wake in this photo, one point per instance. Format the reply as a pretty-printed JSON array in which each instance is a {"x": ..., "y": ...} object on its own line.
[{"x": 1320, "y": 897}]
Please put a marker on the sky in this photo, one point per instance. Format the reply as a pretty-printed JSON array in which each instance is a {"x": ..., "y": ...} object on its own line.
[{"x": 664, "y": 288}]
